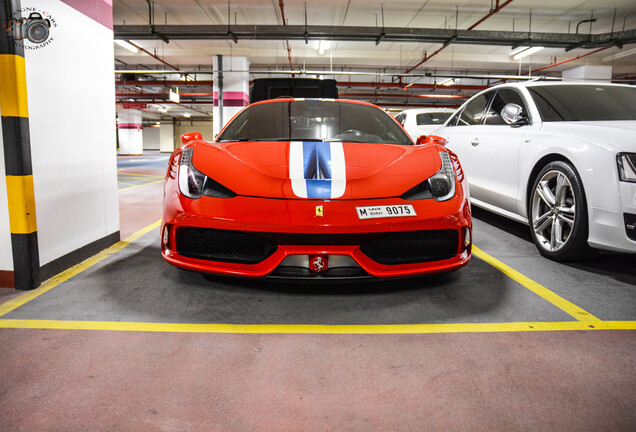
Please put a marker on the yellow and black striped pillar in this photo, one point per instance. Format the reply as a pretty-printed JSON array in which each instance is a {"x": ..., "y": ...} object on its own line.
[{"x": 17, "y": 155}]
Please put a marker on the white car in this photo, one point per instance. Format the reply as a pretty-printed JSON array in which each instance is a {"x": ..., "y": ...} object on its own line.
[
  {"x": 423, "y": 121},
  {"x": 558, "y": 156}
]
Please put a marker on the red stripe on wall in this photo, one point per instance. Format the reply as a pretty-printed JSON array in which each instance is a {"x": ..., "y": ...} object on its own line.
[
  {"x": 98, "y": 10},
  {"x": 129, "y": 126}
]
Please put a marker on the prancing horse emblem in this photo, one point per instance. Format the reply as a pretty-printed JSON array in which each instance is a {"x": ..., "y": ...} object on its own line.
[
  {"x": 318, "y": 264},
  {"x": 318, "y": 210}
]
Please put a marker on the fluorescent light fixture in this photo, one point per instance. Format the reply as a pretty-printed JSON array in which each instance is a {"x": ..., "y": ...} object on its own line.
[
  {"x": 174, "y": 96},
  {"x": 125, "y": 44},
  {"x": 449, "y": 81},
  {"x": 187, "y": 115},
  {"x": 527, "y": 52},
  {"x": 322, "y": 46},
  {"x": 518, "y": 50},
  {"x": 619, "y": 55}
]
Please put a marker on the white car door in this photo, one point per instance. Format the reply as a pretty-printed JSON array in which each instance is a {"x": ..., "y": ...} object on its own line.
[
  {"x": 463, "y": 133},
  {"x": 495, "y": 154}
]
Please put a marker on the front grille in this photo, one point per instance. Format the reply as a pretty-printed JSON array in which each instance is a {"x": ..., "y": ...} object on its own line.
[
  {"x": 224, "y": 246},
  {"x": 253, "y": 247},
  {"x": 412, "y": 247}
]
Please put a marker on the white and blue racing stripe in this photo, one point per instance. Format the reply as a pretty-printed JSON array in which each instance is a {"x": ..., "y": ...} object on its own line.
[{"x": 317, "y": 169}]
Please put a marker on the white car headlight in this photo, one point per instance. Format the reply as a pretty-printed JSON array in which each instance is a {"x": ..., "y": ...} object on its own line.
[{"x": 626, "y": 167}]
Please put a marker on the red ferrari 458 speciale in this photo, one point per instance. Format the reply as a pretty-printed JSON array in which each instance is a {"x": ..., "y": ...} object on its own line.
[{"x": 315, "y": 188}]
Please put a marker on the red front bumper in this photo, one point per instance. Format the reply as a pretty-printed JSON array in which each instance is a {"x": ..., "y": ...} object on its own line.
[{"x": 249, "y": 214}]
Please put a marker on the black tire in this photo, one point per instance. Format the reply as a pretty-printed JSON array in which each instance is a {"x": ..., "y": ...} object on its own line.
[{"x": 557, "y": 213}]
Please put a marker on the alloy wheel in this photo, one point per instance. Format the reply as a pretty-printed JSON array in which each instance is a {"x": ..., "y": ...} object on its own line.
[{"x": 553, "y": 210}]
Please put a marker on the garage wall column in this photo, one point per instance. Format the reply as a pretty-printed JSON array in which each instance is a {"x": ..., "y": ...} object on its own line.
[
  {"x": 166, "y": 137},
  {"x": 236, "y": 89},
  {"x": 17, "y": 160},
  {"x": 130, "y": 132},
  {"x": 588, "y": 73}
]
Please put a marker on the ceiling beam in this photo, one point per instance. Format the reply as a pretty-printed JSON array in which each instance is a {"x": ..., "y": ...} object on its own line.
[{"x": 371, "y": 34}]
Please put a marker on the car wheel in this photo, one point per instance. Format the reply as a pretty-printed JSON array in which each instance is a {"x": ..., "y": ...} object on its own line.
[{"x": 558, "y": 213}]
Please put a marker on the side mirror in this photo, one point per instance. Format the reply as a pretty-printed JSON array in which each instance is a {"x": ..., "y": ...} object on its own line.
[
  {"x": 431, "y": 139},
  {"x": 191, "y": 136},
  {"x": 513, "y": 115}
]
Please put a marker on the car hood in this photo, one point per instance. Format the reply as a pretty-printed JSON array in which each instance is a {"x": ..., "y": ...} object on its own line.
[
  {"x": 290, "y": 169},
  {"x": 616, "y": 135}
]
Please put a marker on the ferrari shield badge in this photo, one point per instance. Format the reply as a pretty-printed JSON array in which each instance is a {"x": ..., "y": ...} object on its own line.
[
  {"x": 318, "y": 210},
  {"x": 318, "y": 263}
]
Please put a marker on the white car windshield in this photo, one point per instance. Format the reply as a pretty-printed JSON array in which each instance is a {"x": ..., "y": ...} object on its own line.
[{"x": 571, "y": 102}]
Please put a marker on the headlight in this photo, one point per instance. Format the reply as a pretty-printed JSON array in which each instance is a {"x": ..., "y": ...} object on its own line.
[
  {"x": 440, "y": 186},
  {"x": 626, "y": 167},
  {"x": 193, "y": 183}
]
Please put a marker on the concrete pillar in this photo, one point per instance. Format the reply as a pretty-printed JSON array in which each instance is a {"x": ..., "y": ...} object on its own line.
[
  {"x": 130, "y": 133},
  {"x": 588, "y": 73},
  {"x": 236, "y": 89},
  {"x": 166, "y": 137}
]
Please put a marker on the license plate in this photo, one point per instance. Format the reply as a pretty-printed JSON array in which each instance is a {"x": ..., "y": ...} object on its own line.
[{"x": 383, "y": 211}]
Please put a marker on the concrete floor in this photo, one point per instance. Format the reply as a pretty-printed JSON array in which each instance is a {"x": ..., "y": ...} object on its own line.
[{"x": 510, "y": 342}]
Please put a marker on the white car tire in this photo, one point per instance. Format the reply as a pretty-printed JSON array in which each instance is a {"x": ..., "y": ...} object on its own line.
[{"x": 558, "y": 213}]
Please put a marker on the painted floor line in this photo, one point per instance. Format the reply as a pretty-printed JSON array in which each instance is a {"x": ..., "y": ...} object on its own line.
[
  {"x": 139, "y": 174},
  {"x": 584, "y": 320},
  {"x": 144, "y": 184},
  {"x": 558, "y": 301},
  {"x": 316, "y": 328},
  {"x": 70, "y": 272}
]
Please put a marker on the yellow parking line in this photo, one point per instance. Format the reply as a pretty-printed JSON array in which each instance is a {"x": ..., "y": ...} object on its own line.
[
  {"x": 138, "y": 174},
  {"x": 318, "y": 329},
  {"x": 144, "y": 184},
  {"x": 69, "y": 273},
  {"x": 540, "y": 290},
  {"x": 584, "y": 320}
]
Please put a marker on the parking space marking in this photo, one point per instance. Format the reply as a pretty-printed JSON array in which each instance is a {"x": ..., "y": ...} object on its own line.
[
  {"x": 558, "y": 301},
  {"x": 139, "y": 185},
  {"x": 69, "y": 273},
  {"x": 317, "y": 328},
  {"x": 583, "y": 319},
  {"x": 138, "y": 174}
]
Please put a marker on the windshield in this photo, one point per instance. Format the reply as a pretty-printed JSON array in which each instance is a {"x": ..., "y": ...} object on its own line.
[
  {"x": 435, "y": 118},
  {"x": 314, "y": 120},
  {"x": 584, "y": 102}
]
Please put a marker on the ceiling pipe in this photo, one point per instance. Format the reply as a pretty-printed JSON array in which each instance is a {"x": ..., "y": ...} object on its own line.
[
  {"x": 491, "y": 13},
  {"x": 154, "y": 56},
  {"x": 165, "y": 83},
  {"x": 400, "y": 96},
  {"x": 342, "y": 84},
  {"x": 281, "y": 5}
]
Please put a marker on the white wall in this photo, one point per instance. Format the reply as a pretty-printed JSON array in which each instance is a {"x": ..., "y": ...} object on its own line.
[
  {"x": 6, "y": 256},
  {"x": 196, "y": 126},
  {"x": 166, "y": 137},
  {"x": 151, "y": 138},
  {"x": 71, "y": 95}
]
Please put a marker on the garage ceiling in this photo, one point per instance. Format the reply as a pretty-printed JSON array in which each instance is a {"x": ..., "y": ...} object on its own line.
[{"x": 400, "y": 43}]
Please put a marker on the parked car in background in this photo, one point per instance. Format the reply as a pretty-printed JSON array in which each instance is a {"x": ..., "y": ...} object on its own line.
[
  {"x": 560, "y": 157},
  {"x": 315, "y": 188},
  {"x": 423, "y": 121}
]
